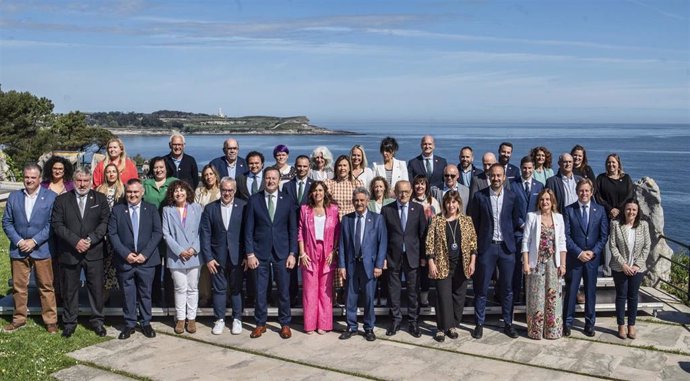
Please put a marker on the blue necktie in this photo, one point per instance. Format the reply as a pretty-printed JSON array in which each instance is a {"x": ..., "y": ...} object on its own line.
[
  {"x": 358, "y": 235},
  {"x": 403, "y": 221},
  {"x": 135, "y": 226},
  {"x": 585, "y": 217}
]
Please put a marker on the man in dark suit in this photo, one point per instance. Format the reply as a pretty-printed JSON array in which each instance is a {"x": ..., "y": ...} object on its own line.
[
  {"x": 26, "y": 223},
  {"x": 251, "y": 182},
  {"x": 586, "y": 232},
  {"x": 271, "y": 242},
  {"x": 230, "y": 164},
  {"x": 450, "y": 177},
  {"x": 363, "y": 247},
  {"x": 466, "y": 167},
  {"x": 220, "y": 233},
  {"x": 564, "y": 184},
  {"x": 406, "y": 227},
  {"x": 427, "y": 163},
  {"x": 179, "y": 164},
  {"x": 481, "y": 180},
  {"x": 495, "y": 213},
  {"x": 505, "y": 151},
  {"x": 80, "y": 223},
  {"x": 134, "y": 230},
  {"x": 527, "y": 189}
]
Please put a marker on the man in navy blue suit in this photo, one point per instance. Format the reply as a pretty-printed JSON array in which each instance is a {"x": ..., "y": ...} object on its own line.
[
  {"x": 271, "y": 242},
  {"x": 586, "y": 231},
  {"x": 230, "y": 164},
  {"x": 495, "y": 212},
  {"x": 134, "y": 230},
  {"x": 220, "y": 233},
  {"x": 505, "y": 151},
  {"x": 427, "y": 163},
  {"x": 362, "y": 249},
  {"x": 527, "y": 189}
]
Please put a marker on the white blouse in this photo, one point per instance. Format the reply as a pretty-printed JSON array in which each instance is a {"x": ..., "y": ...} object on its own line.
[
  {"x": 631, "y": 244},
  {"x": 319, "y": 226}
]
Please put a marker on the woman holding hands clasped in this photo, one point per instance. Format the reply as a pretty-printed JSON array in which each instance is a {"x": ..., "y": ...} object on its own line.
[
  {"x": 451, "y": 249},
  {"x": 629, "y": 245},
  {"x": 317, "y": 239},
  {"x": 543, "y": 263}
]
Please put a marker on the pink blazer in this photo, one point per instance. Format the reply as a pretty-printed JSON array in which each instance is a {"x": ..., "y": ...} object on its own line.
[{"x": 331, "y": 233}]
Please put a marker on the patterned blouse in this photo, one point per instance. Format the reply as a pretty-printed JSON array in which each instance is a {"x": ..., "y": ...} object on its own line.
[
  {"x": 341, "y": 191},
  {"x": 547, "y": 243},
  {"x": 437, "y": 247}
]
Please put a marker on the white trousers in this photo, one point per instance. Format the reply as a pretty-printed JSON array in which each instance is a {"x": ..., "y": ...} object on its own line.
[{"x": 186, "y": 283}]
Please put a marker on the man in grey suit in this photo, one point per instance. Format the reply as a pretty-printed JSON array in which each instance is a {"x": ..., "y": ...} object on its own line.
[
  {"x": 564, "y": 183},
  {"x": 451, "y": 176},
  {"x": 481, "y": 180}
]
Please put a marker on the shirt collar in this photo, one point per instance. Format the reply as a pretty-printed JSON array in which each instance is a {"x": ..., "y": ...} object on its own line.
[{"x": 494, "y": 193}]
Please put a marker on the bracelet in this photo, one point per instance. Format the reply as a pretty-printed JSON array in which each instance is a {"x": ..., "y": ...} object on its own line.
[{"x": 302, "y": 256}]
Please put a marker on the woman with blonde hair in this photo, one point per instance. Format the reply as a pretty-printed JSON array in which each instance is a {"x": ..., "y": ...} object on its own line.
[
  {"x": 360, "y": 169},
  {"x": 115, "y": 153}
]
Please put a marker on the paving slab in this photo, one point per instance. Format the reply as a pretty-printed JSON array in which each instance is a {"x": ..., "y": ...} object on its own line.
[{"x": 87, "y": 373}]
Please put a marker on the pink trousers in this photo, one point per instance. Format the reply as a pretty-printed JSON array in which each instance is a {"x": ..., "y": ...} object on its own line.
[{"x": 317, "y": 288}]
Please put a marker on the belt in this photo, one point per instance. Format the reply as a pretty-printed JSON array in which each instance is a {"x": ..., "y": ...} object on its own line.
[
  {"x": 495, "y": 242},
  {"x": 359, "y": 259}
]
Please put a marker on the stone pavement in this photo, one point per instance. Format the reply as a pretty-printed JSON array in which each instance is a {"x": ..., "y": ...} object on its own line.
[{"x": 661, "y": 352}]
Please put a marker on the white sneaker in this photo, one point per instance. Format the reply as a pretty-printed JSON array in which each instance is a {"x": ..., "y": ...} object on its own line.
[
  {"x": 218, "y": 327},
  {"x": 236, "y": 327}
]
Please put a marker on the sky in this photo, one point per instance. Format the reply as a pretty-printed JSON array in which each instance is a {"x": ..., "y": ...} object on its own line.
[{"x": 551, "y": 61}]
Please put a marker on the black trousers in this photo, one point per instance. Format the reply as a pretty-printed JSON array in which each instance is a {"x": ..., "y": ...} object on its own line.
[
  {"x": 70, "y": 293},
  {"x": 395, "y": 289},
  {"x": 450, "y": 297}
]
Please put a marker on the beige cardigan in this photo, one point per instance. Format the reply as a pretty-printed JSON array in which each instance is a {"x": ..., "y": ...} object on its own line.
[{"x": 618, "y": 245}]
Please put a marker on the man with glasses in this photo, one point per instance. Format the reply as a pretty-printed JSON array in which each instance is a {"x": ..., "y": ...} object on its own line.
[
  {"x": 230, "y": 164},
  {"x": 220, "y": 233},
  {"x": 564, "y": 183},
  {"x": 450, "y": 177},
  {"x": 180, "y": 165}
]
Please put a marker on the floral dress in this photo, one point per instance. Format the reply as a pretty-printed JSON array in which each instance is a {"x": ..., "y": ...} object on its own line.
[
  {"x": 110, "y": 280},
  {"x": 544, "y": 299}
]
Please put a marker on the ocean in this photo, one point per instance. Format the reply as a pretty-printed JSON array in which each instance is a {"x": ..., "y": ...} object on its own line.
[{"x": 661, "y": 152}]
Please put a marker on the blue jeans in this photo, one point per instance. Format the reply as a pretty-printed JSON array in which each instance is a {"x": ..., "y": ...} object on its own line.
[{"x": 627, "y": 289}]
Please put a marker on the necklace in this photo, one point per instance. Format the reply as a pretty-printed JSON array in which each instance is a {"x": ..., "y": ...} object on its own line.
[{"x": 453, "y": 229}]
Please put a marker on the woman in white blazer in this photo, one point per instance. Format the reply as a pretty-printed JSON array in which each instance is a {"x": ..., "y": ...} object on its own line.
[
  {"x": 629, "y": 243},
  {"x": 392, "y": 169},
  {"x": 181, "y": 218},
  {"x": 543, "y": 258}
]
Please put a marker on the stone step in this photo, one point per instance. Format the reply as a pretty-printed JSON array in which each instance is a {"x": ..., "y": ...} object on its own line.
[{"x": 84, "y": 372}]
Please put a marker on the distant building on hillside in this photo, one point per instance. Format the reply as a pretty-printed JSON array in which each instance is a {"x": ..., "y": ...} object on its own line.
[{"x": 220, "y": 112}]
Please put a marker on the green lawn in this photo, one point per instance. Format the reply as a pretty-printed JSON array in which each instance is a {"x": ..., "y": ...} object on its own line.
[{"x": 32, "y": 353}]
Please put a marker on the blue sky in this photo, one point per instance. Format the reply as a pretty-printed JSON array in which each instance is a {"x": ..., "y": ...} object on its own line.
[{"x": 464, "y": 61}]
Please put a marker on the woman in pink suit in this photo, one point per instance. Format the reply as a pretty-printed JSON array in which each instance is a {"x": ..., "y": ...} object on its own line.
[{"x": 318, "y": 232}]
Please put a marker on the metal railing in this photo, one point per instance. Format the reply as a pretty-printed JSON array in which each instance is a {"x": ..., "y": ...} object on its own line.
[{"x": 681, "y": 265}]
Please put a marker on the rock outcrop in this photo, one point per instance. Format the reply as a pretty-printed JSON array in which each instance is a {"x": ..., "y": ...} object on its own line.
[{"x": 648, "y": 195}]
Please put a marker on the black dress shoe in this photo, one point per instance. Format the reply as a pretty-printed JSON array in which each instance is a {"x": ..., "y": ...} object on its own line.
[
  {"x": 369, "y": 335},
  {"x": 452, "y": 333},
  {"x": 393, "y": 329},
  {"x": 68, "y": 331},
  {"x": 509, "y": 330},
  {"x": 589, "y": 331},
  {"x": 148, "y": 331},
  {"x": 126, "y": 333},
  {"x": 566, "y": 331},
  {"x": 346, "y": 335},
  {"x": 100, "y": 331},
  {"x": 478, "y": 332},
  {"x": 414, "y": 330}
]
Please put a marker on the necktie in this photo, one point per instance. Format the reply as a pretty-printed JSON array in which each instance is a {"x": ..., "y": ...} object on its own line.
[
  {"x": 135, "y": 225},
  {"x": 585, "y": 217},
  {"x": 403, "y": 221},
  {"x": 271, "y": 207},
  {"x": 300, "y": 191},
  {"x": 82, "y": 205},
  {"x": 526, "y": 188},
  {"x": 358, "y": 234},
  {"x": 429, "y": 170},
  {"x": 255, "y": 184}
]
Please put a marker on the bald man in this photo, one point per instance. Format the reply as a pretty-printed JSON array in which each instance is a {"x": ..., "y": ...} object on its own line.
[
  {"x": 427, "y": 163},
  {"x": 230, "y": 164},
  {"x": 481, "y": 181}
]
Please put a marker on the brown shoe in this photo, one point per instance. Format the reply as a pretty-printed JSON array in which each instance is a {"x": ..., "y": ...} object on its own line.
[
  {"x": 622, "y": 333},
  {"x": 191, "y": 326},
  {"x": 179, "y": 327},
  {"x": 580, "y": 297},
  {"x": 13, "y": 327},
  {"x": 285, "y": 332},
  {"x": 52, "y": 328},
  {"x": 632, "y": 333},
  {"x": 258, "y": 331}
]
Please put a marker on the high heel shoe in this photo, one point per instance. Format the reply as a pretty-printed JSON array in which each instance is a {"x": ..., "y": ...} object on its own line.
[
  {"x": 632, "y": 334},
  {"x": 622, "y": 332}
]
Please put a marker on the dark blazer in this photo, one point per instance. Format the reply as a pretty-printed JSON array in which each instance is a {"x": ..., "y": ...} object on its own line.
[
  {"x": 263, "y": 237},
  {"x": 242, "y": 191},
  {"x": 555, "y": 183},
  {"x": 122, "y": 239},
  {"x": 475, "y": 171},
  {"x": 577, "y": 238},
  {"x": 187, "y": 172},
  {"x": 290, "y": 188},
  {"x": 216, "y": 241},
  {"x": 18, "y": 226},
  {"x": 417, "y": 166},
  {"x": 374, "y": 244},
  {"x": 479, "y": 182},
  {"x": 528, "y": 203},
  {"x": 413, "y": 235},
  {"x": 482, "y": 218},
  {"x": 512, "y": 172},
  {"x": 70, "y": 227},
  {"x": 221, "y": 166}
]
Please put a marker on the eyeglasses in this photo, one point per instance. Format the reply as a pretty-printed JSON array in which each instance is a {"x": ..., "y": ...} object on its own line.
[
  {"x": 227, "y": 190},
  {"x": 450, "y": 176},
  {"x": 232, "y": 148}
]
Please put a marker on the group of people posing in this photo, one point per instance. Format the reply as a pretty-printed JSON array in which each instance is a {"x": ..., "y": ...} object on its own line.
[{"x": 227, "y": 233}]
